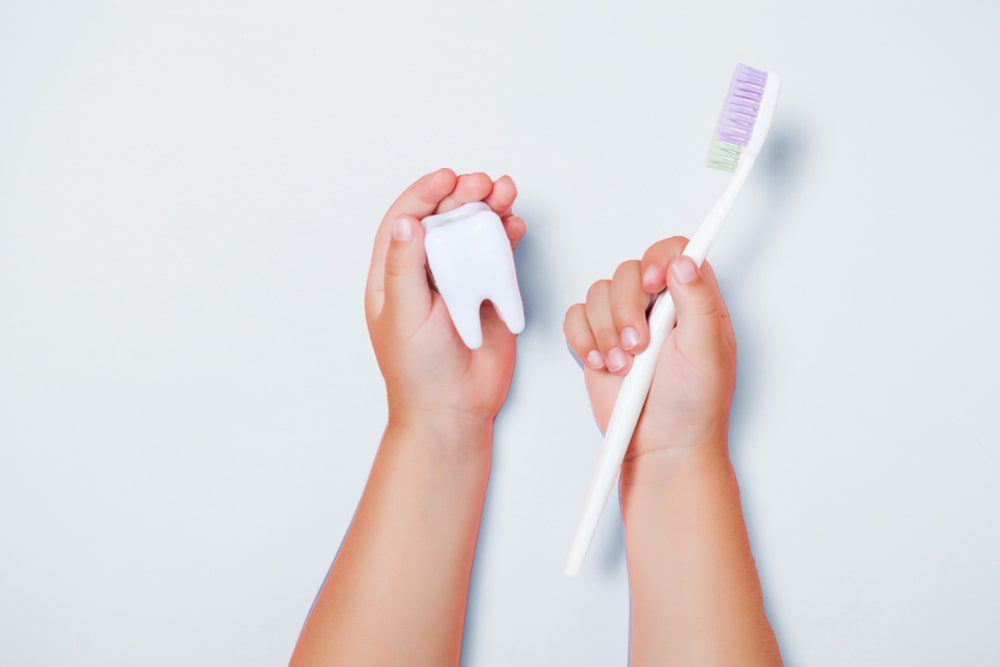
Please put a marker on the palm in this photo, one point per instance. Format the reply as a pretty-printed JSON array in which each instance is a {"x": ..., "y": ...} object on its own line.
[
  {"x": 481, "y": 376},
  {"x": 678, "y": 391}
]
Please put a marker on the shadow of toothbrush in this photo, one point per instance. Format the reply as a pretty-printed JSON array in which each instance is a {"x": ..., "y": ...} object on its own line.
[{"x": 780, "y": 170}]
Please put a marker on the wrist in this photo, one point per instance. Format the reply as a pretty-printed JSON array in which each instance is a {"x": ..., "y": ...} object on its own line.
[
  {"x": 445, "y": 432},
  {"x": 655, "y": 468},
  {"x": 655, "y": 434},
  {"x": 451, "y": 456}
]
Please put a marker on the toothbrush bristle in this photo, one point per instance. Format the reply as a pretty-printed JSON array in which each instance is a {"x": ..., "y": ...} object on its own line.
[
  {"x": 739, "y": 113},
  {"x": 723, "y": 155}
]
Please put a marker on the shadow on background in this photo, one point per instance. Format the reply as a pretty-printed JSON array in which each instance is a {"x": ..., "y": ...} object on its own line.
[
  {"x": 778, "y": 174},
  {"x": 537, "y": 295},
  {"x": 778, "y": 170}
]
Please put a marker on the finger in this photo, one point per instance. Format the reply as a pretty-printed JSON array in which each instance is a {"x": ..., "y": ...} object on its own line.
[
  {"x": 708, "y": 275},
  {"x": 655, "y": 261},
  {"x": 602, "y": 325},
  {"x": 407, "y": 292},
  {"x": 419, "y": 200},
  {"x": 603, "y": 388},
  {"x": 628, "y": 307},
  {"x": 502, "y": 197},
  {"x": 498, "y": 341},
  {"x": 580, "y": 338},
  {"x": 468, "y": 188},
  {"x": 699, "y": 315},
  {"x": 424, "y": 196},
  {"x": 515, "y": 228}
]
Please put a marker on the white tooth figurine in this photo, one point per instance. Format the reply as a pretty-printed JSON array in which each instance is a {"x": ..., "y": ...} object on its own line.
[{"x": 470, "y": 258}]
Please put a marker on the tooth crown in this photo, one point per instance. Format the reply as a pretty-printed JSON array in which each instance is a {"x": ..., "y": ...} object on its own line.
[{"x": 471, "y": 261}]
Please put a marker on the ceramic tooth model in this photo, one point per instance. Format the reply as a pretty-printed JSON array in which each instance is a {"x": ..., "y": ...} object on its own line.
[{"x": 470, "y": 259}]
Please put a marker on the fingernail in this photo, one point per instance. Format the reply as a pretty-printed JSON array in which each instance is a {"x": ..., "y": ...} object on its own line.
[
  {"x": 402, "y": 229},
  {"x": 594, "y": 359},
  {"x": 616, "y": 359},
  {"x": 630, "y": 337},
  {"x": 651, "y": 277},
  {"x": 684, "y": 269}
]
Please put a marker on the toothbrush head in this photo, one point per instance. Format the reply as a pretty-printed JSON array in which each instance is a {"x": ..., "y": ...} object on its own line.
[{"x": 745, "y": 118}]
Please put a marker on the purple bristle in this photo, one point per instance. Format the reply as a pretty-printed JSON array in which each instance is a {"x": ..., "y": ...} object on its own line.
[{"x": 739, "y": 112}]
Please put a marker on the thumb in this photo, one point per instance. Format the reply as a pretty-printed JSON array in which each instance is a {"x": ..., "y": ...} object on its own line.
[
  {"x": 699, "y": 311},
  {"x": 407, "y": 294}
]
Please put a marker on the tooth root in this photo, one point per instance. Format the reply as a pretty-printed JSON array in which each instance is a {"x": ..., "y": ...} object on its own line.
[
  {"x": 507, "y": 303},
  {"x": 465, "y": 317}
]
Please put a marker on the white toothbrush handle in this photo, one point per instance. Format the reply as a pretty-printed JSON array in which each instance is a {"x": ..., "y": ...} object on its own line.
[
  {"x": 628, "y": 406},
  {"x": 635, "y": 385}
]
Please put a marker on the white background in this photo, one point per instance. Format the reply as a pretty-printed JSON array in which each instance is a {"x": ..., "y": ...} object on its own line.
[{"x": 189, "y": 404}]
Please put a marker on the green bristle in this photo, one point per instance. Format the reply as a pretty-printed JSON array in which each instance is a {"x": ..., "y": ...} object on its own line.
[{"x": 723, "y": 155}]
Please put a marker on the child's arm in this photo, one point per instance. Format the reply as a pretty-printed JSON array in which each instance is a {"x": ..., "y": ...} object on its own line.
[
  {"x": 397, "y": 589},
  {"x": 696, "y": 599}
]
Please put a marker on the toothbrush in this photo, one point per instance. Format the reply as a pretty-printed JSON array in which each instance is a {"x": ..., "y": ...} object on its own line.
[{"x": 743, "y": 124}]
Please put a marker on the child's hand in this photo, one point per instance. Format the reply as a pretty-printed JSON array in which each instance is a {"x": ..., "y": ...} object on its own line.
[
  {"x": 692, "y": 388},
  {"x": 429, "y": 373}
]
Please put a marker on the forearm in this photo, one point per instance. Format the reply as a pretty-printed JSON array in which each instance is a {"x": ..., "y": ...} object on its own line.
[
  {"x": 396, "y": 592},
  {"x": 695, "y": 593}
]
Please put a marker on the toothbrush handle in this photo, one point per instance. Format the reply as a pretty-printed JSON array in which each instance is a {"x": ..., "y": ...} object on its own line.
[
  {"x": 628, "y": 406},
  {"x": 635, "y": 385}
]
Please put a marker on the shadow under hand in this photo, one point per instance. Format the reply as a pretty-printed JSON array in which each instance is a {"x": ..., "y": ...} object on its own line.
[
  {"x": 780, "y": 169},
  {"x": 537, "y": 289}
]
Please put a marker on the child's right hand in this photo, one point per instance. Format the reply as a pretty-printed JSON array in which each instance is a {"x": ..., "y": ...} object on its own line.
[{"x": 688, "y": 404}]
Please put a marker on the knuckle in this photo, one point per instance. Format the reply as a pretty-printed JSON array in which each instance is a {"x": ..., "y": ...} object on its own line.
[
  {"x": 622, "y": 312},
  {"x": 598, "y": 290},
  {"x": 650, "y": 255},
  {"x": 666, "y": 249},
  {"x": 675, "y": 244},
  {"x": 705, "y": 303},
  {"x": 605, "y": 343},
  {"x": 606, "y": 335},
  {"x": 396, "y": 265},
  {"x": 580, "y": 342},
  {"x": 573, "y": 315},
  {"x": 576, "y": 340},
  {"x": 393, "y": 267},
  {"x": 626, "y": 268}
]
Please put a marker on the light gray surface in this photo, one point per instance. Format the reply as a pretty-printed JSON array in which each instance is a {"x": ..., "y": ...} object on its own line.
[{"x": 188, "y": 403}]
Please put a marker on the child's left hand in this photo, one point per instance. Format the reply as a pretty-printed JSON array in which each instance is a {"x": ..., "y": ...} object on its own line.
[{"x": 429, "y": 373}]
